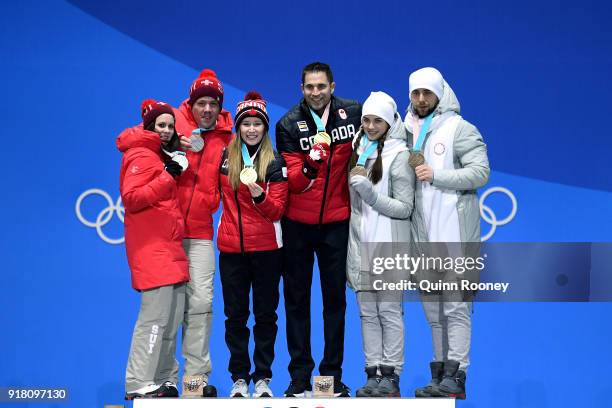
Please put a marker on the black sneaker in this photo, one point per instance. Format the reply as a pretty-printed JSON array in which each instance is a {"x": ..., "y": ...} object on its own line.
[
  {"x": 299, "y": 389},
  {"x": 341, "y": 390},
  {"x": 209, "y": 391},
  {"x": 166, "y": 390}
]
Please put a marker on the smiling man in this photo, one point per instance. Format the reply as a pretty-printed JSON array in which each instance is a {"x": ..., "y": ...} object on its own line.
[
  {"x": 202, "y": 113},
  {"x": 315, "y": 138}
]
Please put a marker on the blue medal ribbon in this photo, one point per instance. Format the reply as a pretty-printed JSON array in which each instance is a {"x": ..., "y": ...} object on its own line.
[
  {"x": 245, "y": 156},
  {"x": 423, "y": 132},
  {"x": 367, "y": 151},
  {"x": 318, "y": 121}
]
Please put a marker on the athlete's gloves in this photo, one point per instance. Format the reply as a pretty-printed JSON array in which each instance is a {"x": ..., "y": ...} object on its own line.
[
  {"x": 364, "y": 188},
  {"x": 173, "y": 168},
  {"x": 317, "y": 155}
]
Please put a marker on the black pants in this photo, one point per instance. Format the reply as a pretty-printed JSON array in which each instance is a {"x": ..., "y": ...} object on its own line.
[
  {"x": 301, "y": 242},
  {"x": 240, "y": 272}
]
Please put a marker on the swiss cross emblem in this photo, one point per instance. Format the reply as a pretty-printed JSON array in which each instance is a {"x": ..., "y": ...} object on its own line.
[{"x": 207, "y": 82}]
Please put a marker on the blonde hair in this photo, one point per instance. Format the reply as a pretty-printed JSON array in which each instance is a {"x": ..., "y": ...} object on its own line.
[{"x": 264, "y": 157}]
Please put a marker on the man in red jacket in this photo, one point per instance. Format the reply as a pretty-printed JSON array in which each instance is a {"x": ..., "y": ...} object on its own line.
[
  {"x": 314, "y": 138},
  {"x": 200, "y": 117}
]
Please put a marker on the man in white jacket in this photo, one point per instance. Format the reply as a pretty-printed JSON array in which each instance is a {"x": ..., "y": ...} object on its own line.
[{"x": 450, "y": 162}]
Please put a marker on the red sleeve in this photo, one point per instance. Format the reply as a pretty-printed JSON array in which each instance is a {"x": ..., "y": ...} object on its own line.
[
  {"x": 143, "y": 185},
  {"x": 275, "y": 201},
  {"x": 298, "y": 180}
]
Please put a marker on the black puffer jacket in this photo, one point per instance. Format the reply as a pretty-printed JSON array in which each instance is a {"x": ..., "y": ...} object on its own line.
[{"x": 325, "y": 198}]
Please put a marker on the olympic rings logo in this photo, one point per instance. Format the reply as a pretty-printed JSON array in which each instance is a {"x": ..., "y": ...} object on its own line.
[
  {"x": 105, "y": 215},
  {"x": 489, "y": 216}
]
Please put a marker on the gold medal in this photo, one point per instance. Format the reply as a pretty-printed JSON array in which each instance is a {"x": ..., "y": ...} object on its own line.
[
  {"x": 323, "y": 138},
  {"x": 416, "y": 159},
  {"x": 248, "y": 175},
  {"x": 359, "y": 171}
]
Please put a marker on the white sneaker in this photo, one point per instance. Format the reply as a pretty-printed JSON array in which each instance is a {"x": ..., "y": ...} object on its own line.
[
  {"x": 240, "y": 389},
  {"x": 262, "y": 390}
]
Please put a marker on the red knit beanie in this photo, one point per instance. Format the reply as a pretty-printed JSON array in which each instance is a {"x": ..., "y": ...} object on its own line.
[
  {"x": 151, "y": 109},
  {"x": 207, "y": 84},
  {"x": 254, "y": 106}
]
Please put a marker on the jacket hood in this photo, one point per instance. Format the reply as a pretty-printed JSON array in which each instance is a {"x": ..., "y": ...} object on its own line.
[
  {"x": 448, "y": 102},
  {"x": 224, "y": 121},
  {"x": 138, "y": 137},
  {"x": 397, "y": 130}
]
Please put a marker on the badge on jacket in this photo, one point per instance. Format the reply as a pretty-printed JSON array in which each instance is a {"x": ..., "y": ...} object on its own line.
[{"x": 303, "y": 126}]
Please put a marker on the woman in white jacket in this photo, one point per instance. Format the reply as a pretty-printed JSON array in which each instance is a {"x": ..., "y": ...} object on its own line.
[{"x": 382, "y": 195}]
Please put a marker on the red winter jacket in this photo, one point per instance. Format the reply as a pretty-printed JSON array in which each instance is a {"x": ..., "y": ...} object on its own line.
[
  {"x": 249, "y": 227},
  {"x": 153, "y": 220},
  {"x": 324, "y": 198},
  {"x": 198, "y": 185}
]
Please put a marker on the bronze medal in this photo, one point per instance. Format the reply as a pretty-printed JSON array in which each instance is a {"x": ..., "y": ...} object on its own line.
[
  {"x": 359, "y": 171},
  {"x": 415, "y": 159}
]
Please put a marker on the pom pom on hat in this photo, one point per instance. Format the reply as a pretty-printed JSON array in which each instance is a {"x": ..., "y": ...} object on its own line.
[
  {"x": 253, "y": 105},
  {"x": 206, "y": 84}
]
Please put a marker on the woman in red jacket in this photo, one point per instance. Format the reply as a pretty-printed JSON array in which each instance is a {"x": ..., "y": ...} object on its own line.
[
  {"x": 253, "y": 180},
  {"x": 153, "y": 242}
]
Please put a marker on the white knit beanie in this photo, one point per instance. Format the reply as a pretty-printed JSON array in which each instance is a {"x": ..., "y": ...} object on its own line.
[
  {"x": 381, "y": 105},
  {"x": 427, "y": 78}
]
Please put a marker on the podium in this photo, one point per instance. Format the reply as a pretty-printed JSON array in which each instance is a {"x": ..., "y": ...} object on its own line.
[{"x": 295, "y": 403}]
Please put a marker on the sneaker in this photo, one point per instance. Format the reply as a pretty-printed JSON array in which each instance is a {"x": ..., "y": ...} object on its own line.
[
  {"x": 209, "y": 391},
  {"x": 341, "y": 390},
  {"x": 262, "y": 389},
  {"x": 298, "y": 389},
  {"x": 240, "y": 389},
  {"x": 166, "y": 390}
]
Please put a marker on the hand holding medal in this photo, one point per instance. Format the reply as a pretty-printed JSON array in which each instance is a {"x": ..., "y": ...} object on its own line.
[
  {"x": 359, "y": 171},
  {"x": 416, "y": 159}
]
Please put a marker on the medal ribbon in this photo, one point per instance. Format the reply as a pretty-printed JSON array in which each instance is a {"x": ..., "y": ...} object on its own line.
[
  {"x": 367, "y": 151},
  {"x": 318, "y": 121},
  {"x": 419, "y": 142},
  {"x": 199, "y": 131},
  {"x": 246, "y": 158}
]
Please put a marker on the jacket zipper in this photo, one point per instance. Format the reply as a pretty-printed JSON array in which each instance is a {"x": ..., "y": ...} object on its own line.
[
  {"x": 331, "y": 153},
  {"x": 239, "y": 222},
  {"x": 195, "y": 183}
]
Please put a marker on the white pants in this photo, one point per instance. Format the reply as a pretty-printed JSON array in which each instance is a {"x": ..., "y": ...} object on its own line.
[
  {"x": 382, "y": 329},
  {"x": 451, "y": 328},
  {"x": 152, "y": 353},
  {"x": 197, "y": 322}
]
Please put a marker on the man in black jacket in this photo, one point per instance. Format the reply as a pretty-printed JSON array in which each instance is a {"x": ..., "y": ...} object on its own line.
[{"x": 315, "y": 139}]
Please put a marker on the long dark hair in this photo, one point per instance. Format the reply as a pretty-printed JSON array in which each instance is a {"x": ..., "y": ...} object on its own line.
[{"x": 377, "y": 170}]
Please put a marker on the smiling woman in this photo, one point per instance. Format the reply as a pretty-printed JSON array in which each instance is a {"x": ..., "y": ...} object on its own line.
[{"x": 254, "y": 191}]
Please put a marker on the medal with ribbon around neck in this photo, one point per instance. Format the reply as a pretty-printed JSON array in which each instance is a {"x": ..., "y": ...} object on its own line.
[{"x": 416, "y": 157}]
